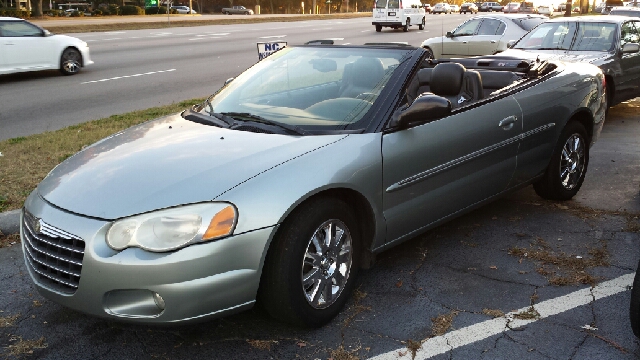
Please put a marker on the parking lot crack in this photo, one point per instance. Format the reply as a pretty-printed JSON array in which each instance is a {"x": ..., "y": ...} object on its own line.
[
  {"x": 575, "y": 350},
  {"x": 488, "y": 277}
]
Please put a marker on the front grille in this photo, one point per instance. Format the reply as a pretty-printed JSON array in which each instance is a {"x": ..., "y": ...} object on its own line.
[{"x": 54, "y": 255}]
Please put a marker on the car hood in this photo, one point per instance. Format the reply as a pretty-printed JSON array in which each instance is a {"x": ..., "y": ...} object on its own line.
[
  {"x": 166, "y": 162},
  {"x": 593, "y": 57}
]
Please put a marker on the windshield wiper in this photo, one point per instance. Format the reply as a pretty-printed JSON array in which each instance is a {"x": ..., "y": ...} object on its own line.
[
  {"x": 551, "y": 48},
  {"x": 214, "y": 119},
  {"x": 259, "y": 119}
]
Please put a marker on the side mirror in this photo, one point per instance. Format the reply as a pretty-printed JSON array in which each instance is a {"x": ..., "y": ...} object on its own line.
[
  {"x": 228, "y": 81},
  {"x": 630, "y": 48},
  {"x": 449, "y": 34},
  {"x": 425, "y": 108},
  {"x": 510, "y": 44}
]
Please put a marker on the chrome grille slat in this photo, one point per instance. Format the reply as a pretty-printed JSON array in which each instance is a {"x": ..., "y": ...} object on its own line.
[
  {"x": 33, "y": 258},
  {"x": 49, "y": 277},
  {"x": 44, "y": 252},
  {"x": 54, "y": 255},
  {"x": 66, "y": 247}
]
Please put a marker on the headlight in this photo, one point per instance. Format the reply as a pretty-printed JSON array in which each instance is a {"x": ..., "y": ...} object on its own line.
[{"x": 170, "y": 229}]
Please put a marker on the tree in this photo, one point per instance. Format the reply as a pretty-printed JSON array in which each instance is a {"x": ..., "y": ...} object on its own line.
[{"x": 36, "y": 6}]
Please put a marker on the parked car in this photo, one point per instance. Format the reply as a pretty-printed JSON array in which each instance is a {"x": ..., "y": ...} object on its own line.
[
  {"x": 511, "y": 7},
  {"x": 469, "y": 8},
  {"x": 455, "y": 8},
  {"x": 27, "y": 47},
  {"x": 237, "y": 10},
  {"x": 398, "y": 14},
  {"x": 545, "y": 10},
  {"x": 183, "y": 9},
  {"x": 482, "y": 35},
  {"x": 600, "y": 7},
  {"x": 441, "y": 8},
  {"x": 610, "y": 4},
  {"x": 286, "y": 181},
  {"x": 610, "y": 42},
  {"x": 527, "y": 7},
  {"x": 427, "y": 8},
  {"x": 626, "y": 11},
  {"x": 490, "y": 7}
]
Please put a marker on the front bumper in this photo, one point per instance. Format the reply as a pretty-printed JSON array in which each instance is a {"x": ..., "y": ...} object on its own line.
[
  {"x": 86, "y": 58},
  {"x": 198, "y": 282}
]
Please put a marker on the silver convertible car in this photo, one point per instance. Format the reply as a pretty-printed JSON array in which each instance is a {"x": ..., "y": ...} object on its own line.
[{"x": 284, "y": 183}]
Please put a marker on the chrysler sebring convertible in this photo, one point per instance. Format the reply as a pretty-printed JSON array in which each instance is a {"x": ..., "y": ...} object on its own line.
[{"x": 289, "y": 179}]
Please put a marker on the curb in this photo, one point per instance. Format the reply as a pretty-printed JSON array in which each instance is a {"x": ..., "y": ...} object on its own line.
[{"x": 10, "y": 222}]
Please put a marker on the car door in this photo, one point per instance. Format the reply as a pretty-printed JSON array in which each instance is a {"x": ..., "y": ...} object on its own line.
[
  {"x": 458, "y": 43},
  {"x": 26, "y": 46},
  {"x": 488, "y": 37},
  {"x": 630, "y": 63},
  {"x": 439, "y": 168}
]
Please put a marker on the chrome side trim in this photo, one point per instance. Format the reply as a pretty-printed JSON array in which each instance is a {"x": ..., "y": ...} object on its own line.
[{"x": 461, "y": 160}]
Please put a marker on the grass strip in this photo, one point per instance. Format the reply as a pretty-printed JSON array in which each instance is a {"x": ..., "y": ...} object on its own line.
[
  {"x": 163, "y": 24},
  {"x": 25, "y": 161}
]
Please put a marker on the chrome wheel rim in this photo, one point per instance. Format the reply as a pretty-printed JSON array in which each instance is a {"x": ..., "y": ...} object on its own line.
[
  {"x": 71, "y": 62},
  {"x": 572, "y": 161},
  {"x": 327, "y": 264}
]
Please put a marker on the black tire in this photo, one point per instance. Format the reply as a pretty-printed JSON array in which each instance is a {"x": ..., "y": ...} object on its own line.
[
  {"x": 552, "y": 186},
  {"x": 429, "y": 53},
  {"x": 421, "y": 25},
  {"x": 246, "y": 13},
  {"x": 378, "y": 28},
  {"x": 70, "y": 61},
  {"x": 405, "y": 28},
  {"x": 634, "y": 310},
  {"x": 282, "y": 290}
]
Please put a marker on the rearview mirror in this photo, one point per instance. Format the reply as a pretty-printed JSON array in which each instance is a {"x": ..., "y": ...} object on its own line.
[
  {"x": 449, "y": 34},
  {"x": 427, "y": 107},
  {"x": 46, "y": 33},
  {"x": 228, "y": 81},
  {"x": 630, "y": 48},
  {"x": 324, "y": 65},
  {"x": 510, "y": 44}
]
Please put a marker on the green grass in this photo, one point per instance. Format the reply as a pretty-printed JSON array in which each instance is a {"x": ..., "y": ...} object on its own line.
[{"x": 26, "y": 160}]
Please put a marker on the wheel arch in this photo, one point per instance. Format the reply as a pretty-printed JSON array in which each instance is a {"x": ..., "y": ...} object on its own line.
[
  {"x": 584, "y": 117},
  {"x": 70, "y": 47}
]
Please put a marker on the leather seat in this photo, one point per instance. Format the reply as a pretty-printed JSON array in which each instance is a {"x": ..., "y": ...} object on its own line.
[
  {"x": 457, "y": 84},
  {"x": 361, "y": 76}
]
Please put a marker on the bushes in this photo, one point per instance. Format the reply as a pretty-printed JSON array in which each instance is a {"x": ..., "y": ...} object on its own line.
[
  {"x": 131, "y": 10},
  {"x": 113, "y": 10},
  {"x": 56, "y": 13},
  {"x": 155, "y": 10},
  {"x": 12, "y": 12},
  {"x": 96, "y": 12},
  {"x": 77, "y": 14}
]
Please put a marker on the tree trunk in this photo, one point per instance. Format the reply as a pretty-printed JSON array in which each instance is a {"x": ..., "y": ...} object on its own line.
[{"x": 36, "y": 6}]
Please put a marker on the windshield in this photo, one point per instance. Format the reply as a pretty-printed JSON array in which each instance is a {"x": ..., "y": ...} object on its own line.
[
  {"x": 313, "y": 88},
  {"x": 569, "y": 36}
]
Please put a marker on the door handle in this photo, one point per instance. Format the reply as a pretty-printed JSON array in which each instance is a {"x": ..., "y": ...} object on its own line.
[
  {"x": 508, "y": 122},
  {"x": 464, "y": 42},
  {"x": 493, "y": 41}
]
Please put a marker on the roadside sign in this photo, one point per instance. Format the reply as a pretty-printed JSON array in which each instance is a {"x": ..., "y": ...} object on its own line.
[{"x": 267, "y": 48}]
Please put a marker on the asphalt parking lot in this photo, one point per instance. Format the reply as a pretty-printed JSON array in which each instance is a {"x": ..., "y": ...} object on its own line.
[{"x": 520, "y": 278}]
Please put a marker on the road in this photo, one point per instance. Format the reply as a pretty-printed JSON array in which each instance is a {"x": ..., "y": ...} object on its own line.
[{"x": 139, "y": 69}]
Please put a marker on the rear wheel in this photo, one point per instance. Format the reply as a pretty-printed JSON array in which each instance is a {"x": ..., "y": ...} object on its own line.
[
  {"x": 378, "y": 28},
  {"x": 312, "y": 264},
  {"x": 568, "y": 166},
  {"x": 70, "y": 61},
  {"x": 405, "y": 28},
  {"x": 421, "y": 26}
]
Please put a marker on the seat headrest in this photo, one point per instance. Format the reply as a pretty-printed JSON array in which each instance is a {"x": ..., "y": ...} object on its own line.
[
  {"x": 591, "y": 33},
  {"x": 367, "y": 72},
  {"x": 446, "y": 79}
]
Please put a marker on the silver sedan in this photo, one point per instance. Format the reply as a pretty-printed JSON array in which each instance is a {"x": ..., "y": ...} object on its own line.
[
  {"x": 481, "y": 35},
  {"x": 284, "y": 183}
]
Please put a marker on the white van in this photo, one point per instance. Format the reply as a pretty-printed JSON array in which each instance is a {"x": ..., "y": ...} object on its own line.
[{"x": 398, "y": 14}]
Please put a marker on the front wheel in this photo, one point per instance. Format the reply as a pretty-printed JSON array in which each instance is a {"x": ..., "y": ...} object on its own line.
[
  {"x": 568, "y": 166},
  {"x": 378, "y": 28},
  {"x": 421, "y": 26},
  {"x": 429, "y": 53},
  {"x": 70, "y": 61},
  {"x": 312, "y": 264}
]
